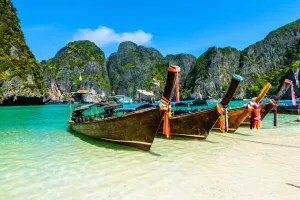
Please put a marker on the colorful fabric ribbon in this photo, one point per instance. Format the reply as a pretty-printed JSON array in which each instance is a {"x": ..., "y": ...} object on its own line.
[
  {"x": 170, "y": 69},
  {"x": 223, "y": 119},
  {"x": 254, "y": 114},
  {"x": 257, "y": 117},
  {"x": 166, "y": 107},
  {"x": 292, "y": 91}
]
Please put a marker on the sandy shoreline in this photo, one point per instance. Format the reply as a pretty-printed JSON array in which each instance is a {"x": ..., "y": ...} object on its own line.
[{"x": 42, "y": 160}]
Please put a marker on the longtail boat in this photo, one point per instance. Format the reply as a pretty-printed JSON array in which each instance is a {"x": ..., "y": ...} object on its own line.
[
  {"x": 136, "y": 129},
  {"x": 237, "y": 115},
  {"x": 293, "y": 110},
  {"x": 267, "y": 107},
  {"x": 198, "y": 124}
]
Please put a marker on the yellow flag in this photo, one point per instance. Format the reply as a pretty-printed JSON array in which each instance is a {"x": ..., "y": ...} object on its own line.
[{"x": 80, "y": 78}]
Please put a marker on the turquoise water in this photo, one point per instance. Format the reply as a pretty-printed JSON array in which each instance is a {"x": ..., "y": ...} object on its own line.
[{"x": 42, "y": 159}]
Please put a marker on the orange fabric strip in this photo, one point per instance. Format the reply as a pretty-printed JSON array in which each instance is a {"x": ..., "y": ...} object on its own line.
[{"x": 164, "y": 98}]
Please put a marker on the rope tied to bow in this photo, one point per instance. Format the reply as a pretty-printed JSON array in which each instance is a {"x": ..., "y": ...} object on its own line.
[
  {"x": 166, "y": 107},
  {"x": 223, "y": 119},
  {"x": 254, "y": 115}
]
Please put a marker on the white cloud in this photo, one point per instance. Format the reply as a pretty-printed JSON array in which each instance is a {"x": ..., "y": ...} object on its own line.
[{"x": 103, "y": 36}]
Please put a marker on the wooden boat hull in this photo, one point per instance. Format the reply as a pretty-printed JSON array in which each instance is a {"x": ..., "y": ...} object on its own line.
[
  {"x": 238, "y": 115},
  {"x": 294, "y": 110},
  {"x": 265, "y": 108},
  {"x": 233, "y": 116},
  {"x": 196, "y": 124},
  {"x": 136, "y": 129}
]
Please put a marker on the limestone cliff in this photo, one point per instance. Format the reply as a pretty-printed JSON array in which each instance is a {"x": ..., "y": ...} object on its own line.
[
  {"x": 132, "y": 67},
  {"x": 21, "y": 79},
  {"x": 77, "y": 59},
  {"x": 270, "y": 60},
  {"x": 212, "y": 73},
  {"x": 185, "y": 61}
]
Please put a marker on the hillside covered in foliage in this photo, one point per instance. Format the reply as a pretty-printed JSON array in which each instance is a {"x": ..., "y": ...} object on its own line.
[
  {"x": 79, "y": 65},
  {"x": 82, "y": 65},
  {"x": 21, "y": 79},
  {"x": 270, "y": 60},
  {"x": 133, "y": 67}
]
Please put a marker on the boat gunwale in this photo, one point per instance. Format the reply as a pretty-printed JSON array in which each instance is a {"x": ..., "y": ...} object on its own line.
[
  {"x": 192, "y": 113},
  {"x": 116, "y": 117}
]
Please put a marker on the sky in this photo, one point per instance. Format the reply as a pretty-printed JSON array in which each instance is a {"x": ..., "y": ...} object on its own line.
[{"x": 172, "y": 27}]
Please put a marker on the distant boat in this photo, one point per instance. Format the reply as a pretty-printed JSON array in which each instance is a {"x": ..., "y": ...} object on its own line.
[
  {"x": 287, "y": 101},
  {"x": 199, "y": 102},
  {"x": 85, "y": 96},
  {"x": 294, "y": 110},
  {"x": 137, "y": 128},
  {"x": 149, "y": 96},
  {"x": 122, "y": 99}
]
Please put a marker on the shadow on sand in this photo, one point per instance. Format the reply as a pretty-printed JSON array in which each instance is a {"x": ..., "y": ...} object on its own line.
[
  {"x": 107, "y": 144},
  {"x": 293, "y": 185},
  {"x": 181, "y": 138},
  {"x": 242, "y": 134}
]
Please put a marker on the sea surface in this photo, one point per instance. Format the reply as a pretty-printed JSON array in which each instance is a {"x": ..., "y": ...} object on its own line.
[{"x": 41, "y": 159}]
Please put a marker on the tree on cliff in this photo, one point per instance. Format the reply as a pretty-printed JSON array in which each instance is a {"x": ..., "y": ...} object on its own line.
[{"x": 20, "y": 73}]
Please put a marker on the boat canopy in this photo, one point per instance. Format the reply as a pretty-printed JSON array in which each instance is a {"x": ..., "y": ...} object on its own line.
[
  {"x": 145, "y": 92},
  {"x": 118, "y": 96},
  {"x": 125, "y": 109},
  {"x": 144, "y": 106},
  {"x": 181, "y": 104},
  {"x": 109, "y": 105},
  {"x": 82, "y": 108}
]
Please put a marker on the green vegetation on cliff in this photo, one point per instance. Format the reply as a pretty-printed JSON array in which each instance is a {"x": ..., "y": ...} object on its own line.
[
  {"x": 133, "y": 67},
  {"x": 271, "y": 60},
  {"x": 212, "y": 72},
  {"x": 79, "y": 58},
  {"x": 16, "y": 60}
]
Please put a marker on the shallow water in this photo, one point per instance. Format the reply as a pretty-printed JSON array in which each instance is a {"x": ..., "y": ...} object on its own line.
[{"x": 41, "y": 159}]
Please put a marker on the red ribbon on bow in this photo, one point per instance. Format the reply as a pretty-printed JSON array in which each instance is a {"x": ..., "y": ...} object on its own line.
[
  {"x": 170, "y": 69},
  {"x": 292, "y": 91},
  {"x": 165, "y": 106},
  {"x": 167, "y": 128}
]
